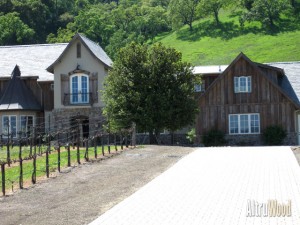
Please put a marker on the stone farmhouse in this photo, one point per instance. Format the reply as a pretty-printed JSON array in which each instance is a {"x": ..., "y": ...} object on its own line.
[{"x": 52, "y": 84}]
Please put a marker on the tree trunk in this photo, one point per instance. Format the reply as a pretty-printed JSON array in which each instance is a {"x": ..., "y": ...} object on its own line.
[
  {"x": 216, "y": 14},
  {"x": 293, "y": 3},
  {"x": 190, "y": 26}
]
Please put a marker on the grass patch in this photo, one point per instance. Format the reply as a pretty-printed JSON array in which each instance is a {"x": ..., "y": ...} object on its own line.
[{"x": 211, "y": 44}]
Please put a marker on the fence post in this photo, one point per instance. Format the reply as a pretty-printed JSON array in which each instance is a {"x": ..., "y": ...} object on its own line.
[
  {"x": 121, "y": 140},
  {"x": 33, "y": 178},
  {"x": 115, "y": 140},
  {"x": 21, "y": 167},
  {"x": 78, "y": 143},
  {"x": 8, "y": 151},
  {"x": 108, "y": 140},
  {"x": 126, "y": 141},
  {"x": 69, "y": 156},
  {"x": 95, "y": 146},
  {"x": 58, "y": 158},
  {"x": 3, "y": 178},
  {"x": 30, "y": 146},
  {"x": 86, "y": 155},
  {"x": 47, "y": 158},
  {"x": 40, "y": 136},
  {"x": 102, "y": 145}
]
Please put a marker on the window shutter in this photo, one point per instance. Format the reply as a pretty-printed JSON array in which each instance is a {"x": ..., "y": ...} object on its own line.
[
  {"x": 65, "y": 88},
  {"x": 236, "y": 85}
]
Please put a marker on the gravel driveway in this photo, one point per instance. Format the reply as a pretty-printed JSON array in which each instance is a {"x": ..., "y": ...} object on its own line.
[{"x": 82, "y": 194}]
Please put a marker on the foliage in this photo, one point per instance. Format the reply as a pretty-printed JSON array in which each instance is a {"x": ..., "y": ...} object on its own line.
[
  {"x": 247, "y": 4},
  {"x": 191, "y": 135},
  {"x": 183, "y": 12},
  {"x": 207, "y": 7},
  {"x": 151, "y": 87},
  {"x": 274, "y": 135},
  {"x": 116, "y": 23},
  {"x": 266, "y": 11},
  {"x": 214, "y": 138},
  {"x": 13, "y": 30}
]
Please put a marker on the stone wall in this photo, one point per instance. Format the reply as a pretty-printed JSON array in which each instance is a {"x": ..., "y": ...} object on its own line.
[{"x": 62, "y": 118}]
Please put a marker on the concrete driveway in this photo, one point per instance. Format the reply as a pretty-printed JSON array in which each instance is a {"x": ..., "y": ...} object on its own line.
[{"x": 231, "y": 185}]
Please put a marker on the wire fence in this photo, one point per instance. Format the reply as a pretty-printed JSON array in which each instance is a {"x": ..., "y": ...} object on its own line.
[{"x": 36, "y": 153}]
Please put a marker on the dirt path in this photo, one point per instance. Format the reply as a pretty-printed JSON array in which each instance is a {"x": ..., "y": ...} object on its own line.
[{"x": 88, "y": 191}]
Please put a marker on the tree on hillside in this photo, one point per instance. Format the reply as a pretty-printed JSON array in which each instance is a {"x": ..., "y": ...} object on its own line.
[
  {"x": 207, "y": 7},
  {"x": 151, "y": 87},
  {"x": 247, "y": 4},
  {"x": 154, "y": 3},
  {"x": 13, "y": 30},
  {"x": 266, "y": 11},
  {"x": 183, "y": 12}
]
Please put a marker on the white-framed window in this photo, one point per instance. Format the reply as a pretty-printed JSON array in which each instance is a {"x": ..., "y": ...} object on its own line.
[
  {"x": 242, "y": 84},
  {"x": 79, "y": 89},
  {"x": 26, "y": 125},
  {"x": 200, "y": 87},
  {"x": 244, "y": 123},
  {"x": 9, "y": 125}
]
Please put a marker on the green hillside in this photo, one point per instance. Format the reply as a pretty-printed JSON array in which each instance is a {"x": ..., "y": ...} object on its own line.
[{"x": 209, "y": 44}]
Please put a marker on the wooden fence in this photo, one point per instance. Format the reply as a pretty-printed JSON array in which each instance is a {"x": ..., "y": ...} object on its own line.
[{"x": 48, "y": 147}]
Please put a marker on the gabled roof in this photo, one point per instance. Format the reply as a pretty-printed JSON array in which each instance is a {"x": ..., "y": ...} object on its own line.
[
  {"x": 32, "y": 59},
  {"x": 94, "y": 49},
  {"x": 284, "y": 87},
  {"x": 290, "y": 83},
  {"x": 17, "y": 96}
]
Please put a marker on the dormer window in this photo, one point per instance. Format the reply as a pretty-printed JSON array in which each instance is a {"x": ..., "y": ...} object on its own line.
[
  {"x": 242, "y": 84},
  {"x": 78, "y": 50}
]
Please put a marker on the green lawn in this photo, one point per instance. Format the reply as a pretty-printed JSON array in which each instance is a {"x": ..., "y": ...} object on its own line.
[
  {"x": 209, "y": 44},
  {"x": 12, "y": 173}
]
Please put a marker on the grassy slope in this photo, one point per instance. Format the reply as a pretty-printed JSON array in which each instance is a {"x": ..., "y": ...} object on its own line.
[{"x": 208, "y": 44}]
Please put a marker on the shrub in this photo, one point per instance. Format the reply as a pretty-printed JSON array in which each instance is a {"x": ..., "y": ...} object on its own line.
[
  {"x": 274, "y": 135},
  {"x": 214, "y": 138},
  {"x": 191, "y": 135}
]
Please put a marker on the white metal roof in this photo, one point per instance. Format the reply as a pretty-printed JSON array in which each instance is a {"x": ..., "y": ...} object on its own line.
[
  {"x": 209, "y": 69},
  {"x": 31, "y": 59}
]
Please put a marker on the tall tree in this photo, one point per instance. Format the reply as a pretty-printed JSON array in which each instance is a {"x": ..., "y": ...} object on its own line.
[
  {"x": 266, "y": 11},
  {"x": 14, "y": 31},
  {"x": 207, "y": 7},
  {"x": 150, "y": 86},
  {"x": 183, "y": 12}
]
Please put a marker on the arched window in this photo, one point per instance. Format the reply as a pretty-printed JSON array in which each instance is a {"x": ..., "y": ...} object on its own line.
[{"x": 79, "y": 88}]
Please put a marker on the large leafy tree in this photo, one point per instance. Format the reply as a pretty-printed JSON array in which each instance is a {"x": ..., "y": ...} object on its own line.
[
  {"x": 183, "y": 12},
  {"x": 151, "y": 87},
  {"x": 13, "y": 30},
  {"x": 207, "y": 7},
  {"x": 266, "y": 11}
]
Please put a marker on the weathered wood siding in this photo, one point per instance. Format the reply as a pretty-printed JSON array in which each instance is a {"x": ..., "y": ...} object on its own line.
[
  {"x": 47, "y": 95},
  {"x": 219, "y": 100}
]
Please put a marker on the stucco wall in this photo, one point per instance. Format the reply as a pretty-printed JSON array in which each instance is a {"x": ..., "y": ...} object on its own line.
[{"x": 69, "y": 63}]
